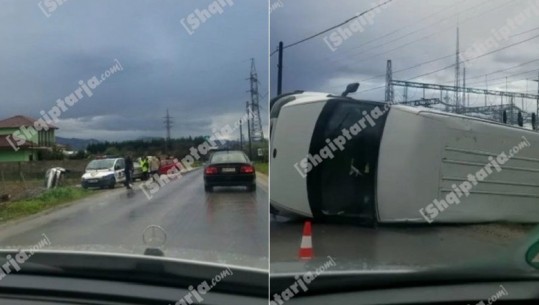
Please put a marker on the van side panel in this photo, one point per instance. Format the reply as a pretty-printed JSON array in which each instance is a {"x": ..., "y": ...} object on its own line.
[
  {"x": 408, "y": 166},
  {"x": 424, "y": 154}
]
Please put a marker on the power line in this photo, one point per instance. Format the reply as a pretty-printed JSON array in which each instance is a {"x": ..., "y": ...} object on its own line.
[
  {"x": 405, "y": 69},
  {"x": 431, "y": 61},
  {"x": 503, "y": 48},
  {"x": 479, "y": 56},
  {"x": 408, "y": 68},
  {"x": 413, "y": 32},
  {"x": 504, "y": 77},
  {"x": 499, "y": 71},
  {"x": 402, "y": 28},
  {"x": 371, "y": 89},
  {"x": 333, "y": 27},
  {"x": 416, "y": 40},
  {"x": 468, "y": 60},
  {"x": 421, "y": 38},
  {"x": 432, "y": 72},
  {"x": 400, "y": 70},
  {"x": 452, "y": 65},
  {"x": 525, "y": 32}
]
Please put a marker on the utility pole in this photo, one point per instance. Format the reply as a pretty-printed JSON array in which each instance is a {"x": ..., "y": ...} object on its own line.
[
  {"x": 405, "y": 94},
  {"x": 280, "y": 70},
  {"x": 255, "y": 128},
  {"x": 537, "y": 109},
  {"x": 249, "y": 131},
  {"x": 464, "y": 88},
  {"x": 241, "y": 136},
  {"x": 389, "y": 82},
  {"x": 526, "y": 92},
  {"x": 512, "y": 105},
  {"x": 505, "y": 90},
  {"x": 168, "y": 125},
  {"x": 537, "y": 101},
  {"x": 486, "y": 86},
  {"x": 457, "y": 74}
]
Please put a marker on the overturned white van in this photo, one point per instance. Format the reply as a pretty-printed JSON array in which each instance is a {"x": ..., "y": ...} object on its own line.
[{"x": 337, "y": 158}]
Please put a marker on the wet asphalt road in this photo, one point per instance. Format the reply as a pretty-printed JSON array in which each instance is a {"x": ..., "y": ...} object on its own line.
[
  {"x": 400, "y": 247},
  {"x": 229, "y": 225}
]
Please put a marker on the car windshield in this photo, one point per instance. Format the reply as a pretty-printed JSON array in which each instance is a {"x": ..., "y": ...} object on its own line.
[
  {"x": 229, "y": 157},
  {"x": 100, "y": 164},
  {"x": 149, "y": 87}
]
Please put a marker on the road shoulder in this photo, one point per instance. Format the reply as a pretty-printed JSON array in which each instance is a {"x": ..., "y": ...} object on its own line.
[{"x": 263, "y": 180}]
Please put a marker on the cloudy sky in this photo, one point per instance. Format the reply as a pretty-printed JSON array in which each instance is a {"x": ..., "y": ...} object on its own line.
[
  {"x": 200, "y": 77},
  {"x": 411, "y": 33}
]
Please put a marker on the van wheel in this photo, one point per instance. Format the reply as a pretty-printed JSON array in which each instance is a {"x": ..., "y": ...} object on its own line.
[
  {"x": 113, "y": 184},
  {"x": 208, "y": 188},
  {"x": 251, "y": 188}
]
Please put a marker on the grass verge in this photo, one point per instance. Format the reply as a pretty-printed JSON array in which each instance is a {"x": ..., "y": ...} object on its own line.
[
  {"x": 51, "y": 198},
  {"x": 262, "y": 168}
]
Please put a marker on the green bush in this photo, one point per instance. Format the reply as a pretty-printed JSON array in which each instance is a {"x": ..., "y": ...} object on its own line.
[
  {"x": 262, "y": 167},
  {"x": 46, "y": 200}
]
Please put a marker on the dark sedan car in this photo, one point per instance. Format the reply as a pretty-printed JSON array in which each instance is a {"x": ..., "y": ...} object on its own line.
[{"x": 229, "y": 168}]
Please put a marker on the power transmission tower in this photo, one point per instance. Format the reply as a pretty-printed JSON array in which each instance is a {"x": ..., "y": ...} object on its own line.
[
  {"x": 255, "y": 126},
  {"x": 168, "y": 125}
]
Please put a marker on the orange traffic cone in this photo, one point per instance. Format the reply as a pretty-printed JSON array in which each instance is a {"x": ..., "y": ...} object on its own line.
[{"x": 306, "y": 248}]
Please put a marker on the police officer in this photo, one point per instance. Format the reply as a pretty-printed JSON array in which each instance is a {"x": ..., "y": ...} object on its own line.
[{"x": 128, "y": 171}]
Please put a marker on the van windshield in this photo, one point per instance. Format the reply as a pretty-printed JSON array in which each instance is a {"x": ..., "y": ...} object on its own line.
[
  {"x": 100, "y": 164},
  {"x": 348, "y": 179}
]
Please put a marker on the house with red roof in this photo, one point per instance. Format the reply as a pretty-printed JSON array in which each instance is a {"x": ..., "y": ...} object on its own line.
[{"x": 22, "y": 137}]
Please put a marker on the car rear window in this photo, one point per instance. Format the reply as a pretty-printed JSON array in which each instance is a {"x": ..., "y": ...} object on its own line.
[{"x": 229, "y": 157}]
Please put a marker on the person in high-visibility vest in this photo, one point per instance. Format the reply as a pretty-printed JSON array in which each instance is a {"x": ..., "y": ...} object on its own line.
[{"x": 145, "y": 167}]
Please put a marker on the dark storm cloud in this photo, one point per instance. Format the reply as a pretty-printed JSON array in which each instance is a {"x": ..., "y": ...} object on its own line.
[
  {"x": 200, "y": 78},
  {"x": 409, "y": 32}
]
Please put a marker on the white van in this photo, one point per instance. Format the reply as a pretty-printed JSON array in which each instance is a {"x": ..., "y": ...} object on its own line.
[
  {"x": 104, "y": 173},
  {"x": 397, "y": 164}
]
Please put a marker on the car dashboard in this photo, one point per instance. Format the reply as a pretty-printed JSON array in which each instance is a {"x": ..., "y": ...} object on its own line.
[
  {"x": 501, "y": 293},
  {"x": 47, "y": 290}
]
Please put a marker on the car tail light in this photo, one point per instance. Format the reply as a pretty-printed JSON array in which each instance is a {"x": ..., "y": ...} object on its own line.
[
  {"x": 247, "y": 169},
  {"x": 211, "y": 170}
]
